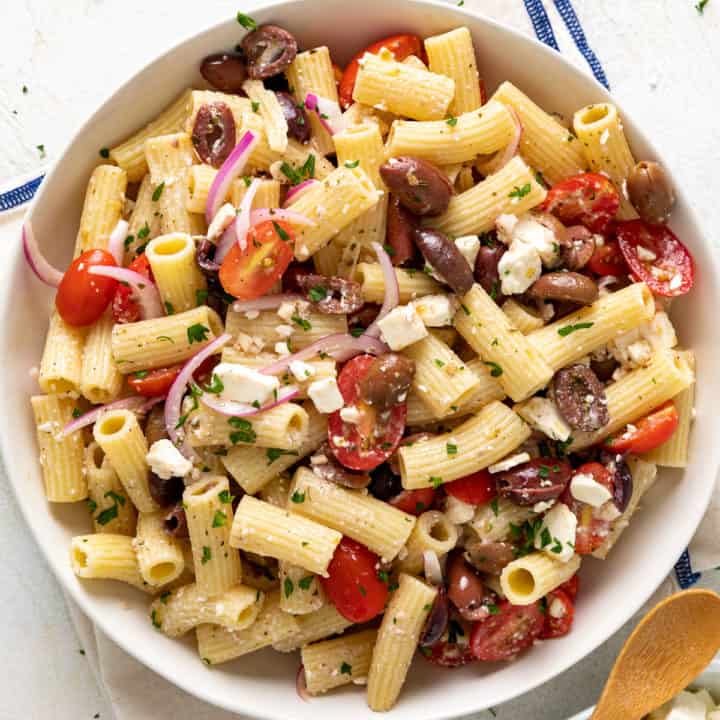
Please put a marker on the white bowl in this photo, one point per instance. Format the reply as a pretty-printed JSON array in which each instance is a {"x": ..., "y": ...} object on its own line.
[{"x": 262, "y": 685}]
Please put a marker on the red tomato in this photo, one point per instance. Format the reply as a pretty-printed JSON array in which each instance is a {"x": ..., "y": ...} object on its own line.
[
  {"x": 672, "y": 272},
  {"x": 513, "y": 629},
  {"x": 453, "y": 648},
  {"x": 400, "y": 45},
  {"x": 556, "y": 627},
  {"x": 338, "y": 73},
  {"x": 124, "y": 307},
  {"x": 649, "y": 433},
  {"x": 248, "y": 274},
  {"x": 474, "y": 489},
  {"x": 414, "y": 502},
  {"x": 203, "y": 374},
  {"x": 353, "y": 585},
  {"x": 82, "y": 297},
  {"x": 154, "y": 383},
  {"x": 608, "y": 260},
  {"x": 368, "y": 444},
  {"x": 588, "y": 199},
  {"x": 571, "y": 587}
]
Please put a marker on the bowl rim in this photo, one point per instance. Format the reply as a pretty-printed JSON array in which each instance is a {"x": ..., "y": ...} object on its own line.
[{"x": 79, "y": 596}]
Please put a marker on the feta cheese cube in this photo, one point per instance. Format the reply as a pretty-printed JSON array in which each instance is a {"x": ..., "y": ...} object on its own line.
[
  {"x": 350, "y": 415},
  {"x": 166, "y": 461},
  {"x": 402, "y": 327},
  {"x": 505, "y": 224},
  {"x": 302, "y": 370},
  {"x": 585, "y": 488},
  {"x": 288, "y": 309},
  {"x": 659, "y": 332},
  {"x": 221, "y": 222},
  {"x": 686, "y": 706},
  {"x": 457, "y": 511},
  {"x": 326, "y": 395},
  {"x": 531, "y": 232},
  {"x": 542, "y": 414},
  {"x": 436, "y": 310},
  {"x": 282, "y": 348},
  {"x": 556, "y": 537},
  {"x": 245, "y": 385},
  {"x": 519, "y": 268},
  {"x": 469, "y": 246},
  {"x": 509, "y": 462}
]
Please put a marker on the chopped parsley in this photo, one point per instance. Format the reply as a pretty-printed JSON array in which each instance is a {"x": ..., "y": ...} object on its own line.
[
  {"x": 144, "y": 231},
  {"x": 567, "y": 329},
  {"x": 700, "y": 7},
  {"x": 216, "y": 386},
  {"x": 246, "y": 21},
  {"x": 206, "y": 555},
  {"x": 452, "y": 122},
  {"x": 92, "y": 505},
  {"x": 169, "y": 309},
  {"x": 302, "y": 322},
  {"x": 317, "y": 293},
  {"x": 345, "y": 669},
  {"x": 439, "y": 363},
  {"x": 362, "y": 590},
  {"x": 225, "y": 497},
  {"x": 157, "y": 192},
  {"x": 520, "y": 192},
  {"x": 219, "y": 519},
  {"x": 201, "y": 296},
  {"x": 545, "y": 537},
  {"x": 304, "y": 583},
  {"x": 351, "y": 165},
  {"x": 297, "y": 497},
  {"x": 357, "y": 331},
  {"x": 495, "y": 507},
  {"x": 451, "y": 448},
  {"x": 156, "y": 623},
  {"x": 465, "y": 308},
  {"x": 495, "y": 369},
  {"x": 164, "y": 597},
  {"x": 111, "y": 512},
  {"x": 435, "y": 481},
  {"x": 104, "y": 153},
  {"x": 243, "y": 431},
  {"x": 540, "y": 179},
  {"x": 197, "y": 333},
  {"x": 307, "y": 170},
  {"x": 281, "y": 233},
  {"x": 544, "y": 471},
  {"x": 493, "y": 609},
  {"x": 273, "y": 454},
  {"x": 41, "y": 150},
  {"x": 128, "y": 241},
  {"x": 383, "y": 576},
  {"x": 288, "y": 587},
  {"x": 255, "y": 106},
  {"x": 77, "y": 412}
]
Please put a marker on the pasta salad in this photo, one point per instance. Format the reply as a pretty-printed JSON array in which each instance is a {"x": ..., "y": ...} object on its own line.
[{"x": 362, "y": 361}]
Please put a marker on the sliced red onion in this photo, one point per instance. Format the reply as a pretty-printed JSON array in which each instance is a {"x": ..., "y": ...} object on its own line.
[
  {"x": 36, "y": 260},
  {"x": 392, "y": 289},
  {"x": 143, "y": 289},
  {"x": 228, "y": 239},
  {"x": 229, "y": 170},
  {"x": 296, "y": 191},
  {"x": 340, "y": 347},
  {"x": 433, "y": 571},
  {"x": 301, "y": 685},
  {"x": 328, "y": 111},
  {"x": 242, "y": 222},
  {"x": 258, "y": 216},
  {"x": 116, "y": 242},
  {"x": 501, "y": 159},
  {"x": 131, "y": 403},
  {"x": 177, "y": 389},
  {"x": 239, "y": 409},
  {"x": 268, "y": 302}
]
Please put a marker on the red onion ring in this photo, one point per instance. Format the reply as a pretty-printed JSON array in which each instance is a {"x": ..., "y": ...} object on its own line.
[
  {"x": 296, "y": 191},
  {"x": 340, "y": 347},
  {"x": 268, "y": 302},
  {"x": 135, "y": 403},
  {"x": 177, "y": 389},
  {"x": 328, "y": 112},
  {"x": 301, "y": 685},
  {"x": 229, "y": 170},
  {"x": 116, "y": 242},
  {"x": 239, "y": 409},
  {"x": 433, "y": 571},
  {"x": 36, "y": 260},
  {"x": 502, "y": 158},
  {"x": 143, "y": 289},
  {"x": 263, "y": 214},
  {"x": 392, "y": 289}
]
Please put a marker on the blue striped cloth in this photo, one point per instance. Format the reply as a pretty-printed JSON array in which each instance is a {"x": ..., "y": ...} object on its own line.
[{"x": 544, "y": 31}]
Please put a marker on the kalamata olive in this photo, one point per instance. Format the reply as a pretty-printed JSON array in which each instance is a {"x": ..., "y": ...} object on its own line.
[
  {"x": 165, "y": 492},
  {"x": 394, "y": 461},
  {"x": 567, "y": 286},
  {"x": 575, "y": 254},
  {"x": 622, "y": 478},
  {"x": 224, "y": 71},
  {"x": 204, "y": 257},
  {"x": 175, "y": 522},
  {"x": 486, "y": 270},
  {"x": 437, "y": 620},
  {"x": 445, "y": 258},
  {"x": 535, "y": 481},
  {"x": 421, "y": 188},
  {"x": 295, "y": 116},
  {"x": 269, "y": 50},
  {"x": 465, "y": 589},
  {"x": 385, "y": 483},
  {"x": 387, "y": 381},
  {"x": 365, "y": 316},
  {"x": 331, "y": 295},
  {"x": 213, "y": 134},
  {"x": 580, "y": 398},
  {"x": 324, "y": 465},
  {"x": 604, "y": 369},
  {"x": 155, "y": 425},
  {"x": 489, "y": 557},
  {"x": 291, "y": 277},
  {"x": 401, "y": 225},
  {"x": 651, "y": 192}
]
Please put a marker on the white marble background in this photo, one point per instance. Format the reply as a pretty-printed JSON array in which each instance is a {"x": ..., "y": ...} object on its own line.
[{"x": 661, "y": 57}]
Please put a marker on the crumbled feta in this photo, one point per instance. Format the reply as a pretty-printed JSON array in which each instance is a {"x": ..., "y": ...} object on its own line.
[
  {"x": 245, "y": 385},
  {"x": 531, "y": 232},
  {"x": 585, "y": 488},
  {"x": 542, "y": 414},
  {"x": 221, "y": 222},
  {"x": 287, "y": 309},
  {"x": 519, "y": 268},
  {"x": 436, "y": 310},
  {"x": 402, "y": 327},
  {"x": 325, "y": 395},
  {"x": 542, "y": 506},
  {"x": 608, "y": 512},
  {"x": 350, "y": 415},
  {"x": 636, "y": 347},
  {"x": 505, "y": 224},
  {"x": 509, "y": 462},
  {"x": 685, "y": 706},
  {"x": 557, "y": 609},
  {"x": 284, "y": 330},
  {"x": 302, "y": 370},
  {"x": 469, "y": 247},
  {"x": 282, "y": 348},
  {"x": 640, "y": 353},
  {"x": 457, "y": 511},
  {"x": 252, "y": 314},
  {"x": 561, "y": 525},
  {"x": 166, "y": 461}
]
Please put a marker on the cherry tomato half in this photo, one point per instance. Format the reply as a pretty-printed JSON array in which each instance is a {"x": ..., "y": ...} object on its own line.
[
  {"x": 474, "y": 489},
  {"x": 608, "y": 260},
  {"x": 414, "y": 502},
  {"x": 82, "y": 297},
  {"x": 664, "y": 263},
  {"x": 248, "y": 274},
  {"x": 503, "y": 635},
  {"x": 124, "y": 307},
  {"x": 648, "y": 433},
  {"x": 588, "y": 199},
  {"x": 369, "y": 443},
  {"x": 571, "y": 587},
  {"x": 353, "y": 585},
  {"x": 400, "y": 45},
  {"x": 559, "y": 603},
  {"x": 154, "y": 383}
]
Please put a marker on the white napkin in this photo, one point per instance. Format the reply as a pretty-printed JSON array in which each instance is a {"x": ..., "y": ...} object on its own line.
[{"x": 132, "y": 690}]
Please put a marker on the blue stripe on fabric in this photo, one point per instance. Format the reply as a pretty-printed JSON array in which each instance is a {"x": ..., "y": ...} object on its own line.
[
  {"x": 19, "y": 195},
  {"x": 541, "y": 22},
  {"x": 683, "y": 571},
  {"x": 567, "y": 13}
]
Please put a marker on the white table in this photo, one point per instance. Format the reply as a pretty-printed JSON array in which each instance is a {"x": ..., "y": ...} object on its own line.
[{"x": 661, "y": 58}]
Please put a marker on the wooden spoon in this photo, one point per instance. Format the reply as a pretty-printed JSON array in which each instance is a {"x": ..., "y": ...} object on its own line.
[{"x": 670, "y": 647}]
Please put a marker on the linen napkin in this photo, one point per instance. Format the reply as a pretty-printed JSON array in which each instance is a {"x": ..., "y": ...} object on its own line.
[{"x": 134, "y": 692}]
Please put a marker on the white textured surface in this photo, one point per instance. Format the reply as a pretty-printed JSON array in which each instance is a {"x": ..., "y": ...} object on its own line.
[{"x": 660, "y": 57}]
